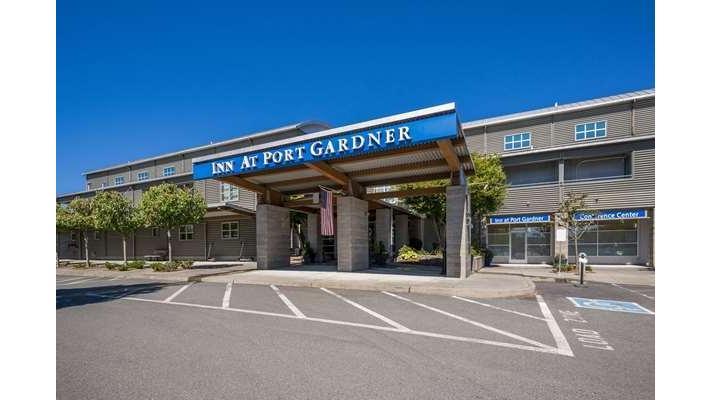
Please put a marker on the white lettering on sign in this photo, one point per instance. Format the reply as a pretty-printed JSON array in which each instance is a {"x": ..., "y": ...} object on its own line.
[
  {"x": 317, "y": 149},
  {"x": 220, "y": 167},
  {"x": 592, "y": 339}
]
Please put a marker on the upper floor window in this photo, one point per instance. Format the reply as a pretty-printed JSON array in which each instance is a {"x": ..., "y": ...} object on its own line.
[
  {"x": 143, "y": 176},
  {"x": 168, "y": 171},
  {"x": 229, "y": 192},
  {"x": 517, "y": 141},
  {"x": 609, "y": 167},
  {"x": 97, "y": 235},
  {"x": 103, "y": 185},
  {"x": 230, "y": 230},
  {"x": 118, "y": 180},
  {"x": 532, "y": 174},
  {"x": 154, "y": 232},
  {"x": 590, "y": 130},
  {"x": 88, "y": 186},
  {"x": 185, "y": 232}
]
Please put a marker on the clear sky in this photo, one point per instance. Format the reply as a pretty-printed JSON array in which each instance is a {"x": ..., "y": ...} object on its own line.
[{"x": 140, "y": 78}]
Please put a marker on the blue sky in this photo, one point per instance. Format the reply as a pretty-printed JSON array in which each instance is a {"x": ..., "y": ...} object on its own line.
[{"x": 140, "y": 78}]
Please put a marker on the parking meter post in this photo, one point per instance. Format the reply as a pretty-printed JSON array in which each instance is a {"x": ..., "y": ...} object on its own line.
[{"x": 582, "y": 262}]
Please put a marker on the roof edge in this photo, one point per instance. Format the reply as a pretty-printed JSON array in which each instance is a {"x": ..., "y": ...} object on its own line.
[
  {"x": 563, "y": 108},
  {"x": 248, "y": 137}
]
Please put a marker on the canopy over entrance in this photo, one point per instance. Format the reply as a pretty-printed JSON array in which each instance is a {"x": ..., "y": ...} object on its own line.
[
  {"x": 416, "y": 146},
  {"x": 422, "y": 145}
]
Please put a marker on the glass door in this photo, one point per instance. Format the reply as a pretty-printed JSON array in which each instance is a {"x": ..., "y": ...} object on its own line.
[{"x": 518, "y": 245}]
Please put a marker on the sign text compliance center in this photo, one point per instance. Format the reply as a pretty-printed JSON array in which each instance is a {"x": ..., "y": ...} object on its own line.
[{"x": 347, "y": 144}]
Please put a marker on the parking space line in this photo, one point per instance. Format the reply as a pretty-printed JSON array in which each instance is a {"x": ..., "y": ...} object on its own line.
[
  {"x": 226, "y": 297},
  {"x": 560, "y": 340},
  {"x": 72, "y": 279},
  {"x": 369, "y": 311},
  {"x": 469, "y": 321},
  {"x": 288, "y": 302},
  {"x": 633, "y": 291},
  {"x": 177, "y": 292},
  {"x": 547, "y": 349},
  {"x": 81, "y": 281},
  {"x": 498, "y": 308}
]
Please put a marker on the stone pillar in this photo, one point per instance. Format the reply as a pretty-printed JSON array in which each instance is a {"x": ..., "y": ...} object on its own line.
[
  {"x": 384, "y": 228},
  {"x": 402, "y": 234},
  {"x": 272, "y": 236},
  {"x": 313, "y": 234},
  {"x": 457, "y": 232},
  {"x": 352, "y": 231}
]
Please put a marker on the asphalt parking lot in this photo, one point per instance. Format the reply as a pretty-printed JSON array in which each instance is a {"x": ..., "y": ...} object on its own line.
[{"x": 146, "y": 339}]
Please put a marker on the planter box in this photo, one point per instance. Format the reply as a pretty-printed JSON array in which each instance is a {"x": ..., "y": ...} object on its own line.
[{"x": 477, "y": 263}]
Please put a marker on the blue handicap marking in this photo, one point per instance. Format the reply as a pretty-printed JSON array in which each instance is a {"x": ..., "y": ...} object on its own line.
[{"x": 609, "y": 305}]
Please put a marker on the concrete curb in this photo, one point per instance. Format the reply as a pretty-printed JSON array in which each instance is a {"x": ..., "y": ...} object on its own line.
[
  {"x": 528, "y": 289},
  {"x": 140, "y": 274}
]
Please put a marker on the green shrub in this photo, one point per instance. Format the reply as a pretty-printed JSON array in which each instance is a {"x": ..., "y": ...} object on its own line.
[
  {"x": 136, "y": 264},
  {"x": 475, "y": 251},
  {"x": 166, "y": 266},
  {"x": 407, "y": 254},
  {"x": 185, "y": 264},
  {"x": 123, "y": 267},
  {"x": 158, "y": 266},
  {"x": 111, "y": 266}
]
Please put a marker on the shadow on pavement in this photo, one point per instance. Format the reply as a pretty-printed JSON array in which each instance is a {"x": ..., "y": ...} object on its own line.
[{"x": 89, "y": 295}]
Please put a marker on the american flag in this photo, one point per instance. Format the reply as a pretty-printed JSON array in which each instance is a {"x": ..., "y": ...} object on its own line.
[{"x": 326, "y": 200}]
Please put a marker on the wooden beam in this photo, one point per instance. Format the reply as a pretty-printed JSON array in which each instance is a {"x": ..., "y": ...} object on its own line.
[
  {"x": 405, "y": 167},
  {"x": 406, "y": 193},
  {"x": 329, "y": 172},
  {"x": 450, "y": 155}
]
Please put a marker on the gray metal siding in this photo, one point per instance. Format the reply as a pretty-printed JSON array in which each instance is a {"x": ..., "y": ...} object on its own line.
[
  {"x": 644, "y": 117},
  {"x": 539, "y": 129},
  {"x": 618, "y": 117},
  {"x": 211, "y": 190},
  {"x": 229, "y": 249}
]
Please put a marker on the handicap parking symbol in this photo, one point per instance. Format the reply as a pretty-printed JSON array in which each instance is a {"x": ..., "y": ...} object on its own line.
[{"x": 609, "y": 305}]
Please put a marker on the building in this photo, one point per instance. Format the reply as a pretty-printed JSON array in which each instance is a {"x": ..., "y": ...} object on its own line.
[{"x": 603, "y": 147}]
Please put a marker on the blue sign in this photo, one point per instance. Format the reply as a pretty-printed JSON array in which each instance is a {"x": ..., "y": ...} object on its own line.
[
  {"x": 355, "y": 143},
  {"x": 519, "y": 219},
  {"x": 609, "y": 305},
  {"x": 604, "y": 215}
]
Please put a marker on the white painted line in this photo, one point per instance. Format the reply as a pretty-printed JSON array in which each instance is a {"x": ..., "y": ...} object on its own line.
[
  {"x": 560, "y": 340},
  {"x": 549, "y": 350},
  {"x": 369, "y": 311},
  {"x": 479, "y": 324},
  {"x": 633, "y": 291},
  {"x": 81, "y": 281},
  {"x": 177, "y": 292},
  {"x": 71, "y": 279},
  {"x": 288, "y": 302},
  {"x": 498, "y": 308},
  {"x": 226, "y": 297}
]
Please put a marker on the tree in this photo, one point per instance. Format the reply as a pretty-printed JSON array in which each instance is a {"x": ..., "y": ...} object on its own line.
[
  {"x": 79, "y": 217},
  {"x": 487, "y": 187},
  {"x": 167, "y": 206},
  {"x": 114, "y": 212},
  {"x": 571, "y": 205},
  {"x": 433, "y": 205},
  {"x": 61, "y": 218}
]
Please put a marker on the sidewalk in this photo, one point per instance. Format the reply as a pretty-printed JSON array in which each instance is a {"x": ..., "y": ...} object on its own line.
[
  {"x": 199, "y": 272},
  {"x": 476, "y": 286},
  {"x": 625, "y": 276}
]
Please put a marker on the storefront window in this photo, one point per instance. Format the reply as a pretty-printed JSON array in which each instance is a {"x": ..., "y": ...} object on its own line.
[
  {"x": 538, "y": 240},
  {"x": 498, "y": 240},
  {"x": 607, "y": 238}
]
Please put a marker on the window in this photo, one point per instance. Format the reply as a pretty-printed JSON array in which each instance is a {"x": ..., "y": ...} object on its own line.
[
  {"x": 168, "y": 171},
  {"x": 229, "y": 192},
  {"x": 185, "y": 232},
  {"x": 531, "y": 174},
  {"x": 538, "y": 240},
  {"x": 154, "y": 232},
  {"x": 97, "y": 235},
  {"x": 607, "y": 238},
  {"x": 517, "y": 141},
  {"x": 118, "y": 180},
  {"x": 88, "y": 186},
  {"x": 230, "y": 230},
  {"x": 143, "y": 176},
  {"x": 103, "y": 185},
  {"x": 591, "y": 130},
  {"x": 616, "y": 166},
  {"x": 498, "y": 240},
  {"x": 73, "y": 237}
]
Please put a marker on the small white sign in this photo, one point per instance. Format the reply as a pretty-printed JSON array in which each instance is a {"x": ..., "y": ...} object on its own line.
[
  {"x": 315, "y": 198},
  {"x": 561, "y": 235}
]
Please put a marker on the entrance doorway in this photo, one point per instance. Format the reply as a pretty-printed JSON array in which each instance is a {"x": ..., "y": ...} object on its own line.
[{"x": 518, "y": 245}]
